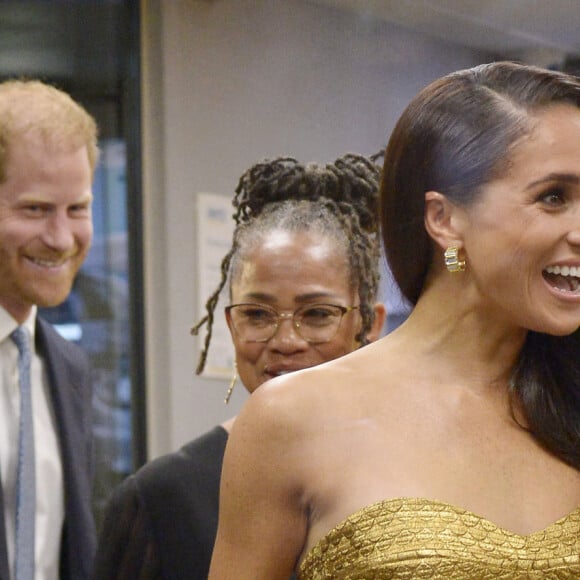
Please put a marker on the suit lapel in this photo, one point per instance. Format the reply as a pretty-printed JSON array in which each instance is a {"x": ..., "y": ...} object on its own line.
[{"x": 70, "y": 409}]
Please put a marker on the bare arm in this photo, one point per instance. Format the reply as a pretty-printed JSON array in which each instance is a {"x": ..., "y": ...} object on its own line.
[{"x": 263, "y": 516}]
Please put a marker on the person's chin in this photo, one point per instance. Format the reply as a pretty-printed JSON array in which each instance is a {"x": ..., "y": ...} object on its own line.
[{"x": 52, "y": 297}]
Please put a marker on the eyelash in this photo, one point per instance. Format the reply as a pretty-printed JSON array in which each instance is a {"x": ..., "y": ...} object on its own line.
[
  {"x": 39, "y": 209},
  {"x": 553, "y": 192},
  {"x": 33, "y": 209}
]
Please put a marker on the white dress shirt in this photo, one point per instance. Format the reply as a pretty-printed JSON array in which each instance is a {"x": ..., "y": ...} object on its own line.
[{"x": 49, "y": 476}]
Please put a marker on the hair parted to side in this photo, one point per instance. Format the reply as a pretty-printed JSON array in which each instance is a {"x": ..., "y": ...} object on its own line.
[
  {"x": 456, "y": 136},
  {"x": 31, "y": 108},
  {"x": 338, "y": 200}
]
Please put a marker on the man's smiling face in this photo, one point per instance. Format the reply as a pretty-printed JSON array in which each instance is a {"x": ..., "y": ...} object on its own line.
[{"x": 45, "y": 223}]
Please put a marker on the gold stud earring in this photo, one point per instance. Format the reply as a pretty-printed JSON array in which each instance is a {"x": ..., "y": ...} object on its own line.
[
  {"x": 452, "y": 261},
  {"x": 232, "y": 384}
]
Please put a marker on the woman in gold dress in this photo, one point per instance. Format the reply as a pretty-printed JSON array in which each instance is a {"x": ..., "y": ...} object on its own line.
[{"x": 451, "y": 447}]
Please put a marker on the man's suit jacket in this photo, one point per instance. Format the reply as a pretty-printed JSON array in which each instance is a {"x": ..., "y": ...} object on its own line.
[{"x": 71, "y": 396}]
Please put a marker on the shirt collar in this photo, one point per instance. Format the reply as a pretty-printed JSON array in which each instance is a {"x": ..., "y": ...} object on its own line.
[{"x": 8, "y": 324}]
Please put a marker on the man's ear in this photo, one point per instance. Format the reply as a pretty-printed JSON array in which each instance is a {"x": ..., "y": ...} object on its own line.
[
  {"x": 378, "y": 323},
  {"x": 443, "y": 220}
]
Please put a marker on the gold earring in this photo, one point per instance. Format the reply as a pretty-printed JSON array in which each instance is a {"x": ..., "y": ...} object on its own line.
[
  {"x": 232, "y": 384},
  {"x": 452, "y": 261}
]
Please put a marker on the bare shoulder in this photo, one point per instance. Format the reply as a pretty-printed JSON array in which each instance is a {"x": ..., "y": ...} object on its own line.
[
  {"x": 279, "y": 413},
  {"x": 293, "y": 406},
  {"x": 293, "y": 453}
]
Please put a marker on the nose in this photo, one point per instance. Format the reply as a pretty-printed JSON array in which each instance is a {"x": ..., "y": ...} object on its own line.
[
  {"x": 286, "y": 339},
  {"x": 58, "y": 233}
]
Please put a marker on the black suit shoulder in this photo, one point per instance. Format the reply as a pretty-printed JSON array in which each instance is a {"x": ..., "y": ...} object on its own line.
[
  {"x": 197, "y": 464},
  {"x": 161, "y": 522}
]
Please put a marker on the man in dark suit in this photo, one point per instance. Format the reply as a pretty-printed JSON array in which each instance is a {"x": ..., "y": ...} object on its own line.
[{"x": 48, "y": 153}]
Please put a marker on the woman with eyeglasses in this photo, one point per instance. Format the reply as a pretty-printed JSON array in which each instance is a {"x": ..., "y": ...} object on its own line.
[{"x": 303, "y": 274}]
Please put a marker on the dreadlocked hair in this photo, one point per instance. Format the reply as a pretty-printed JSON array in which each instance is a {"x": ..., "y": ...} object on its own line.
[{"x": 338, "y": 200}]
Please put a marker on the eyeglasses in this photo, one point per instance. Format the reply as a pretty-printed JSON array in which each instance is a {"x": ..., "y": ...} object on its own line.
[{"x": 315, "y": 323}]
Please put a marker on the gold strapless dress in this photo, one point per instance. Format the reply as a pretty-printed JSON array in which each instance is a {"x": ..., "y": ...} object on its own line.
[{"x": 410, "y": 538}]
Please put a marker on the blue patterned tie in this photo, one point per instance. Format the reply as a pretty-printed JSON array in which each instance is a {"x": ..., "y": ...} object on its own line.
[{"x": 26, "y": 478}]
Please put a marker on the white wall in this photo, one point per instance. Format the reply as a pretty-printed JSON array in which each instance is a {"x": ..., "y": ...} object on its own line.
[{"x": 227, "y": 83}]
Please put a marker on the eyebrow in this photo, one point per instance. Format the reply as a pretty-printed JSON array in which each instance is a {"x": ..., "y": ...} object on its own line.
[
  {"x": 44, "y": 199},
  {"x": 303, "y": 298},
  {"x": 571, "y": 178}
]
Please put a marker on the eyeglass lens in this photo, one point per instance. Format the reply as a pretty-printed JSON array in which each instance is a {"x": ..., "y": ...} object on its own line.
[{"x": 313, "y": 322}]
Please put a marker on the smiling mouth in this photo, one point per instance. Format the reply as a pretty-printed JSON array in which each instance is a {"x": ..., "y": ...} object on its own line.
[
  {"x": 279, "y": 373},
  {"x": 47, "y": 263},
  {"x": 563, "y": 278}
]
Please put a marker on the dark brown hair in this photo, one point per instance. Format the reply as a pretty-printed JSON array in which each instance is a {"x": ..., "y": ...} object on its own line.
[
  {"x": 454, "y": 137},
  {"x": 338, "y": 200}
]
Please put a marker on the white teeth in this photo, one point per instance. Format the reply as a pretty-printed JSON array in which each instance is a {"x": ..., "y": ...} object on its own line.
[
  {"x": 278, "y": 373},
  {"x": 573, "y": 271},
  {"x": 47, "y": 263}
]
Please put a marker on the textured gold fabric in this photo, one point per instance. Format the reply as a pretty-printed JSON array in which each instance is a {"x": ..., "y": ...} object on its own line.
[{"x": 410, "y": 538}]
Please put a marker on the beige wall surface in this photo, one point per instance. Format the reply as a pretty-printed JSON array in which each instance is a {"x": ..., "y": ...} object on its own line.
[{"x": 225, "y": 84}]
